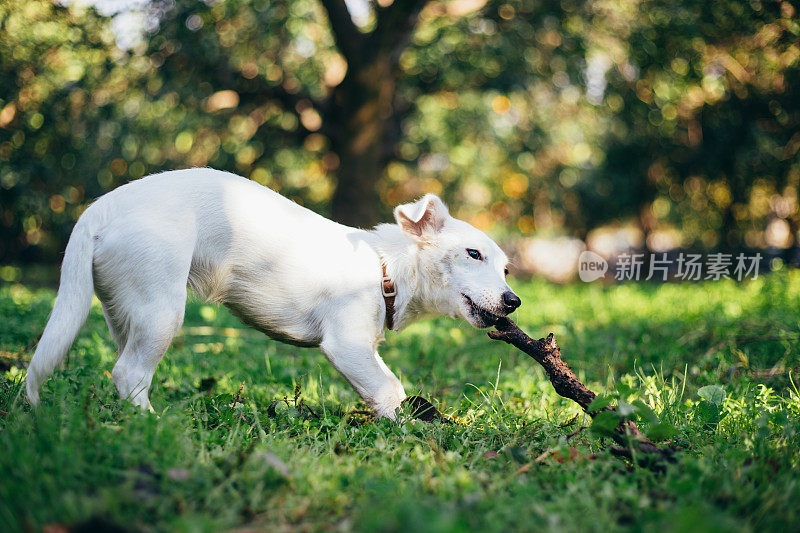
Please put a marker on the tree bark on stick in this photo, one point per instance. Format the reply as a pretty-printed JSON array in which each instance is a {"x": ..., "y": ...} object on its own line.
[{"x": 631, "y": 441}]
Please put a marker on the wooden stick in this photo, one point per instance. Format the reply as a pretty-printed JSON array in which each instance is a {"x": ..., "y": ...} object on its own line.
[{"x": 547, "y": 353}]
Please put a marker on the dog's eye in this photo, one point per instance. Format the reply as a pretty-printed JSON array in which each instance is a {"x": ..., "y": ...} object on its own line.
[
  {"x": 475, "y": 254},
  {"x": 506, "y": 271}
]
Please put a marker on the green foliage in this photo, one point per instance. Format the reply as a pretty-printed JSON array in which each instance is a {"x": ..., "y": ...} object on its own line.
[
  {"x": 713, "y": 394},
  {"x": 221, "y": 456},
  {"x": 526, "y": 115},
  {"x": 605, "y": 422},
  {"x": 54, "y": 125},
  {"x": 709, "y": 408}
]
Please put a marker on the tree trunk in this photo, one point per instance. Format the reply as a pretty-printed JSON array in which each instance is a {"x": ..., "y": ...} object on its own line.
[
  {"x": 360, "y": 122},
  {"x": 359, "y": 115}
]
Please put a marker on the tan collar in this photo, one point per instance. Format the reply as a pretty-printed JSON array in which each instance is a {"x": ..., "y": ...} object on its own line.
[{"x": 389, "y": 292}]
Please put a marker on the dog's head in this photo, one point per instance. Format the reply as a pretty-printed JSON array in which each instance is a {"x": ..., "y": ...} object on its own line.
[{"x": 461, "y": 270}]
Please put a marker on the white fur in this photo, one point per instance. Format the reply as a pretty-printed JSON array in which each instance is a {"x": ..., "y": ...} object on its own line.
[{"x": 279, "y": 267}]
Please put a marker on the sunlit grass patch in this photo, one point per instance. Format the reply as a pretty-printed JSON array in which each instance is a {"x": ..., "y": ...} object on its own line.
[{"x": 250, "y": 432}]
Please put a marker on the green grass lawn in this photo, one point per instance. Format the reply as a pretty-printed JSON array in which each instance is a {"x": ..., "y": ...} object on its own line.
[{"x": 214, "y": 458}]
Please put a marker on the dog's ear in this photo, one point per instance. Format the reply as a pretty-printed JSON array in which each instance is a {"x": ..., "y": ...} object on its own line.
[{"x": 422, "y": 219}]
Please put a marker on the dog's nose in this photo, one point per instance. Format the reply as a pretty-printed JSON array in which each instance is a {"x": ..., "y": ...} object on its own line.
[{"x": 511, "y": 301}]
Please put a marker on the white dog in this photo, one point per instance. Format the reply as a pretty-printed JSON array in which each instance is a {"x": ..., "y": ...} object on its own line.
[{"x": 281, "y": 268}]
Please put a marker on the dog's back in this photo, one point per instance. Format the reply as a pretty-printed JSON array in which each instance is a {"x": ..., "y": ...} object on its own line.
[{"x": 277, "y": 265}]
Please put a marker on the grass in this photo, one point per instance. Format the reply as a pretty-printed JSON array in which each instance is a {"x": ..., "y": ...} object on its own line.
[{"x": 223, "y": 454}]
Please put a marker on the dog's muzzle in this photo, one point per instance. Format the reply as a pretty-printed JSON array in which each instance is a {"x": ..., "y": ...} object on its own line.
[{"x": 510, "y": 302}]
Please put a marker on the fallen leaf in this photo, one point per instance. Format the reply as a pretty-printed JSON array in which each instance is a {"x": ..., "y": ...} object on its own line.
[
  {"x": 55, "y": 528},
  {"x": 572, "y": 455}
]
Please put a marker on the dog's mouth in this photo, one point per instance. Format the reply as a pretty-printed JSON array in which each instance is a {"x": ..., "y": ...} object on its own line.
[{"x": 484, "y": 317}]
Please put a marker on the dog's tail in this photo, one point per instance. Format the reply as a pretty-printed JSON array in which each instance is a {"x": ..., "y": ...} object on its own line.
[{"x": 70, "y": 310}]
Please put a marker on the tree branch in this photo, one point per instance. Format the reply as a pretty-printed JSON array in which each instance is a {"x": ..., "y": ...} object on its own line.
[
  {"x": 547, "y": 353},
  {"x": 349, "y": 39}
]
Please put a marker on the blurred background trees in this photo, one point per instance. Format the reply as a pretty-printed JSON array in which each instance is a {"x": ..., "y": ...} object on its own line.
[{"x": 678, "y": 121}]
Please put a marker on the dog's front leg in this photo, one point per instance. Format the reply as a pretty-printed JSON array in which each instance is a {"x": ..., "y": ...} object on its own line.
[{"x": 359, "y": 363}]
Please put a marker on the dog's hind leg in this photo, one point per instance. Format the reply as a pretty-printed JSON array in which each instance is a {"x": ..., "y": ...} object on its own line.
[
  {"x": 116, "y": 326},
  {"x": 148, "y": 337},
  {"x": 141, "y": 272}
]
